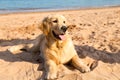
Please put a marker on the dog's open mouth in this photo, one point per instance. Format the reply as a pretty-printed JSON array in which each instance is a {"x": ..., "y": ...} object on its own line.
[{"x": 59, "y": 36}]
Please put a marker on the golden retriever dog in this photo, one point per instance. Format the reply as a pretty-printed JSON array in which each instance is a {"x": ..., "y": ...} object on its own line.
[{"x": 56, "y": 46}]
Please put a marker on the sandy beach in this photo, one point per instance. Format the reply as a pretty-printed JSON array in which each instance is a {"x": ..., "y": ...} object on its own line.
[{"x": 95, "y": 33}]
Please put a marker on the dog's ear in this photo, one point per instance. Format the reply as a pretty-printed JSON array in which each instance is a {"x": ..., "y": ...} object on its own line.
[{"x": 44, "y": 26}]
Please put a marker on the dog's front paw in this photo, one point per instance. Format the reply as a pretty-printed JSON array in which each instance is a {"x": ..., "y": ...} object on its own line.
[
  {"x": 51, "y": 76},
  {"x": 85, "y": 69}
]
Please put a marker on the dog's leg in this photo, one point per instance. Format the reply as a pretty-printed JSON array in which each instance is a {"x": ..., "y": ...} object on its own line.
[
  {"x": 18, "y": 48},
  {"x": 76, "y": 62},
  {"x": 36, "y": 43},
  {"x": 35, "y": 48},
  {"x": 50, "y": 70}
]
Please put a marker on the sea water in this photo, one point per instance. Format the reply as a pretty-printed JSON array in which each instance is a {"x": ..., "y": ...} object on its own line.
[{"x": 47, "y": 5}]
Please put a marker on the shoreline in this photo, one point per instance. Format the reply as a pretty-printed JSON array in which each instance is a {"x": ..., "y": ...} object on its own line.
[{"x": 3, "y": 12}]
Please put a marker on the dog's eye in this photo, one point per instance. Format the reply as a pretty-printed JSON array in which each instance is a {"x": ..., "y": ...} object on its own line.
[
  {"x": 63, "y": 21},
  {"x": 55, "y": 21}
]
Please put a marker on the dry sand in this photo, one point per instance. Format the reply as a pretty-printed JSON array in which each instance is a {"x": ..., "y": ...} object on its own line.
[{"x": 95, "y": 33}]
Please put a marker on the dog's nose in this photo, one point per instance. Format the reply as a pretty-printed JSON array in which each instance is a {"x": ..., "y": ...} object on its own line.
[{"x": 64, "y": 28}]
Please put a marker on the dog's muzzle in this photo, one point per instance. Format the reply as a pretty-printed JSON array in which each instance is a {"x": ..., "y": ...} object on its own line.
[{"x": 61, "y": 34}]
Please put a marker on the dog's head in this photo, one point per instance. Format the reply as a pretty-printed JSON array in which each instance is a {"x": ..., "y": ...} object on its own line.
[{"x": 56, "y": 26}]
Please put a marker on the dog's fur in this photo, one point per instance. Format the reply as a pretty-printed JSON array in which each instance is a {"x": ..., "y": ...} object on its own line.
[
  {"x": 56, "y": 46},
  {"x": 58, "y": 50}
]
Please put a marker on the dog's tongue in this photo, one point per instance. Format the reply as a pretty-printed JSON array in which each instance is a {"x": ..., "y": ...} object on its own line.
[{"x": 62, "y": 37}]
